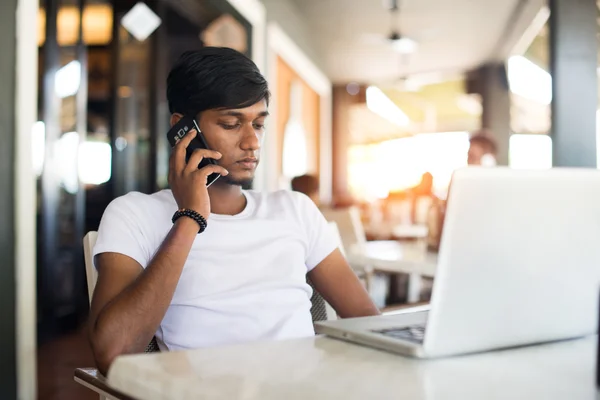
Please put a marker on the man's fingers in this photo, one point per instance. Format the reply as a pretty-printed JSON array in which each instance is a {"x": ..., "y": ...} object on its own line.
[
  {"x": 177, "y": 161},
  {"x": 197, "y": 156},
  {"x": 212, "y": 169}
]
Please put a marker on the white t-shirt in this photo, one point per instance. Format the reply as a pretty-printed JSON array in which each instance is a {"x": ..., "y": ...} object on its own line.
[{"x": 245, "y": 276}]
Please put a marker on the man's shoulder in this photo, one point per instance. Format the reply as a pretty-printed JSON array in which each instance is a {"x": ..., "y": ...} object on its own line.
[{"x": 142, "y": 203}]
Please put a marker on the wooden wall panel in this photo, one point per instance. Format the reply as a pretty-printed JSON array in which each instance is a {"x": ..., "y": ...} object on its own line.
[{"x": 311, "y": 117}]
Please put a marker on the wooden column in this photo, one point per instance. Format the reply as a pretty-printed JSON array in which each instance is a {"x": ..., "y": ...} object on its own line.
[{"x": 342, "y": 102}]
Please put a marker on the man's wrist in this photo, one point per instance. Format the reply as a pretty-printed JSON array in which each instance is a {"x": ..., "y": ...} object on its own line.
[
  {"x": 187, "y": 224},
  {"x": 193, "y": 215}
]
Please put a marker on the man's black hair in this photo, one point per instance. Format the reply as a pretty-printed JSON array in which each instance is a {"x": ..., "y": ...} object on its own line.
[{"x": 214, "y": 78}]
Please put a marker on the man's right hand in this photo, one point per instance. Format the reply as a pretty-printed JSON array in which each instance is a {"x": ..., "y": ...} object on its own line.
[{"x": 187, "y": 182}]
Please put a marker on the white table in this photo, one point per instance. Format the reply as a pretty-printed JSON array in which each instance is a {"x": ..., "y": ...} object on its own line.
[
  {"x": 414, "y": 231},
  {"x": 391, "y": 256},
  {"x": 323, "y": 368}
]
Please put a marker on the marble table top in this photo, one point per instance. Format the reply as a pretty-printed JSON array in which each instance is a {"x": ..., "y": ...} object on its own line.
[{"x": 324, "y": 368}]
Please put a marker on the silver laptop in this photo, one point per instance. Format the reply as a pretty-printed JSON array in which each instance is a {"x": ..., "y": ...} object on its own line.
[{"x": 519, "y": 263}]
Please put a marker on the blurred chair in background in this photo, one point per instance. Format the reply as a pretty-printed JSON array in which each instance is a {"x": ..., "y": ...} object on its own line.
[{"x": 353, "y": 238}]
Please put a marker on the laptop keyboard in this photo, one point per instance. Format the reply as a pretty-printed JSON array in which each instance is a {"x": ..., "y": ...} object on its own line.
[{"x": 414, "y": 333}]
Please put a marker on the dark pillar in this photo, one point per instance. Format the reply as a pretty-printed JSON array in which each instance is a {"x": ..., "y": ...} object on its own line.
[
  {"x": 495, "y": 99},
  {"x": 573, "y": 63},
  {"x": 8, "y": 358}
]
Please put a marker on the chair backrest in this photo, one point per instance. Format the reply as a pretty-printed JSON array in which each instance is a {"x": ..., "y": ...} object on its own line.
[
  {"x": 349, "y": 225},
  {"x": 336, "y": 232},
  {"x": 320, "y": 309},
  {"x": 89, "y": 241},
  {"x": 90, "y": 271},
  {"x": 422, "y": 206}
]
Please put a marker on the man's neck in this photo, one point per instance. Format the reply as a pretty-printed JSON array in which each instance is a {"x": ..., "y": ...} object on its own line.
[{"x": 226, "y": 199}]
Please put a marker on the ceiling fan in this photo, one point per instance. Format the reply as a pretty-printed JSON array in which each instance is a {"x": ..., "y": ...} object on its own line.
[{"x": 400, "y": 43}]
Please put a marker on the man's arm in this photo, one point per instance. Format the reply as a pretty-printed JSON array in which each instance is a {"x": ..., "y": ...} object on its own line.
[
  {"x": 337, "y": 283},
  {"x": 130, "y": 302}
]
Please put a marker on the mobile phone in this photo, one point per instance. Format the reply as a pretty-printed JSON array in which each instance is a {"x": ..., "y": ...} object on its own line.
[{"x": 179, "y": 130}]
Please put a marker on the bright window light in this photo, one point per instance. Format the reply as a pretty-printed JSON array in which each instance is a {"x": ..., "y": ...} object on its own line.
[
  {"x": 396, "y": 165},
  {"x": 66, "y": 161},
  {"x": 528, "y": 80},
  {"x": 38, "y": 147},
  {"x": 68, "y": 79},
  {"x": 295, "y": 153},
  {"x": 383, "y": 106},
  {"x": 87, "y": 162},
  {"x": 530, "y": 152},
  {"x": 94, "y": 163},
  {"x": 294, "y": 150}
]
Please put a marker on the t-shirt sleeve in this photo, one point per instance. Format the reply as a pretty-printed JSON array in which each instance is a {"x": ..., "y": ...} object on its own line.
[
  {"x": 320, "y": 236},
  {"x": 121, "y": 231}
]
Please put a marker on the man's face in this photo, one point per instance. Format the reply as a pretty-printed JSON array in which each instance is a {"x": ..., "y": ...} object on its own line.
[{"x": 237, "y": 134}]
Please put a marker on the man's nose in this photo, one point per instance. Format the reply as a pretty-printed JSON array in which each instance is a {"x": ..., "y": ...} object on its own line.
[{"x": 251, "y": 139}]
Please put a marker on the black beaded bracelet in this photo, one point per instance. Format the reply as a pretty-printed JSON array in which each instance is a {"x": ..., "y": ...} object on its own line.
[{"x": 184, "y": 212}]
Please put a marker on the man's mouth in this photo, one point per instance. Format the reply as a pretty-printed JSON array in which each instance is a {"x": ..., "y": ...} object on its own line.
[{"x": 248, "y": 163}]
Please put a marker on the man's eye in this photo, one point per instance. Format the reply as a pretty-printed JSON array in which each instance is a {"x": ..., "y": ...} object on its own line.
[
  {"x": 229, "y": 127},
  {"x": 259, "y": 126}
]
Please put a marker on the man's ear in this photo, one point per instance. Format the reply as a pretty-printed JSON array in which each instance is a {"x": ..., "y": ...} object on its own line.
[{"x": 175, "y": 118}]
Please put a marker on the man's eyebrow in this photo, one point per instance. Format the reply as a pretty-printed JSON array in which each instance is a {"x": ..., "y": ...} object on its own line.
[{"x": 240, "y": 114}]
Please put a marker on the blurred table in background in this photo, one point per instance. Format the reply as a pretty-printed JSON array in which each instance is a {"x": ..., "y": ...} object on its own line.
[
  {"x": 395, "y": 231},
  {"x": 394, "y": 257}
]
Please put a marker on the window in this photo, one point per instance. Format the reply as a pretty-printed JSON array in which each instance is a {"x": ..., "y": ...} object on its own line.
[
  {"x": 530, "y": 151},
  {"x": 395, "y": 165}
]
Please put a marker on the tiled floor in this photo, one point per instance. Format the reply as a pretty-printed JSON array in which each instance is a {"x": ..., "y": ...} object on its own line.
[{"x": 56, "y": 362}]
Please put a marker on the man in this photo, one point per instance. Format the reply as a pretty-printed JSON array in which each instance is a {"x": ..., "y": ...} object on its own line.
[
  {"x": 308, "y": 185},
  {"x": 482, "y": 150},
  {"x": 243, "y": 277}
]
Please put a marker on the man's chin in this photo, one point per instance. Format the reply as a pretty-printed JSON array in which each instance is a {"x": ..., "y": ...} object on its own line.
[{"x": 236, "y": 181}]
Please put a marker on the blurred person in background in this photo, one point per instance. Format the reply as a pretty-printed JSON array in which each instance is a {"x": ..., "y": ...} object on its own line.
[
  {"x": 422, "y": 194},
  {"x": 308, "y": 185},
  {"x": 483, "y": 150},
  {"x": 425, "y": 187}
]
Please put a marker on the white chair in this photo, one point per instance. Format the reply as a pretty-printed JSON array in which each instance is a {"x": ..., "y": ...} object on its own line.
[
  {"x": 352, "y": 236},
  {"x": 89, "y": 241},
  {"x": 349, "y": 224},
  {"x": 336, "y": 232},
  {"x": 90, "y": 377},
  {"x": 90, "y": 271}
]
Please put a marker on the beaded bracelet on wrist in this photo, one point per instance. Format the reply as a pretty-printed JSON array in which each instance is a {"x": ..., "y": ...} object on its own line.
[{"x": 184, "y": 212}]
